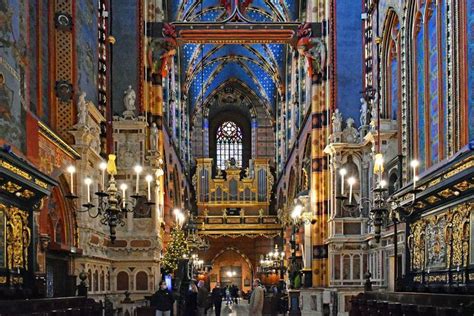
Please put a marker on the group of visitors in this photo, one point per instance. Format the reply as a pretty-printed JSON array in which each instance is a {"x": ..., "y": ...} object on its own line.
[{"x": 198, "y": 299}]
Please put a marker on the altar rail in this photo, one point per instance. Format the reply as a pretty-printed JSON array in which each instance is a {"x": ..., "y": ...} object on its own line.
[
  {"x": 403, "y": 303},
  {"x": 73, "y": 306}
]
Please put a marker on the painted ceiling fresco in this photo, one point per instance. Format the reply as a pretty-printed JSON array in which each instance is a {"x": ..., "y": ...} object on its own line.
[{"x": 257, "y": 66}]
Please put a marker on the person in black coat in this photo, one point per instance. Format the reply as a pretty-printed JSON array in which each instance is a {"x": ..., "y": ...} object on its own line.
[
  {"x": 162, "y": 300},
  {"x": 217, "y": 296},
  {"x": 191, "y": 300}
]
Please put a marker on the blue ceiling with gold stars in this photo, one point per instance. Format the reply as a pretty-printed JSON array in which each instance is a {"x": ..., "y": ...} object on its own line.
[{"x": 206, "y": 67}]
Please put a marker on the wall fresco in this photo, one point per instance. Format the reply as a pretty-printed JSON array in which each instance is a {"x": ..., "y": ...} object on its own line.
[
  {"x": 87, "y": 48},
  {"x": 13, "y": 61}
]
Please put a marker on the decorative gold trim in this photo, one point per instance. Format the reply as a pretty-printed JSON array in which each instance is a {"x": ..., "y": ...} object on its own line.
[
  {"x": 15, "y": 170},
  {"x": 55, "y": 139}
]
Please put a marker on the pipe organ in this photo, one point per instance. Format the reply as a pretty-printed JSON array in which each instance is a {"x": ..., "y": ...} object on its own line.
[{"x": 248, "y": 189}]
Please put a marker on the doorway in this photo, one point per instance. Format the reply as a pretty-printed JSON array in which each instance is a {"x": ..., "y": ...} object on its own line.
[
  {"x": 56, "y": 277},
  {"x": 231, "y": 275}
]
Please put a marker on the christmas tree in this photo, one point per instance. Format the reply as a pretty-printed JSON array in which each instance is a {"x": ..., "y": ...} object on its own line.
[{"x": 177, "y": 249}]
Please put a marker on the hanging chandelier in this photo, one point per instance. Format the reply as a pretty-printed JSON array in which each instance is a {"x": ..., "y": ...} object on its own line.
[
  {"x": 112, "y": 202},
  {"x": 272, "y": 261}
]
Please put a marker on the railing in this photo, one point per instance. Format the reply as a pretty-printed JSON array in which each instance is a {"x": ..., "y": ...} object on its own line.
[{"x": 264, "y": 225}]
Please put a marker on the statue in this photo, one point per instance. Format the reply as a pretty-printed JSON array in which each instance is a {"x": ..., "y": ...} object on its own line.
[
  {"x": 129, "y": 98},
  {"x": 219, "y": 173},
  {"x": 153, "y": 137},
  {"x": 336, "y": 121},
  {"x": 82, "y": 110},
  {"x": 350, "y": 134},
  {"x": 314, "y": 50},
  {"x": 363, "y": 112},
  {"x": 247, "y": 172}
]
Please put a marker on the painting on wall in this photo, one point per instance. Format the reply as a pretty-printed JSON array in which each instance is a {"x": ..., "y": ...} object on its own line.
[
  {"x": 13, "y": 63},
  {"x": 87, "y": 48}
]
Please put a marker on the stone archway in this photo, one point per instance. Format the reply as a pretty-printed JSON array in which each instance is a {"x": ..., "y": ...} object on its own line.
[{"x": 232, "y": 259}]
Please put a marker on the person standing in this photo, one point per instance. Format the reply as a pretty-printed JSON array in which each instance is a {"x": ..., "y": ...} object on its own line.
[
  {"x": 202, "y": 297},
  {"x": 191, "y": 300},
  {"x": 162, "y": 300},
  {"x": 256, "y": 299},
  {"x": 217, "y": 299},
  {"x": 228, "y": 298}
]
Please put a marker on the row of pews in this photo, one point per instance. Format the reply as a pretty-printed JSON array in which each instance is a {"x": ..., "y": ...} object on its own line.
[
  {"x": 411, "y": 304},
  {"x": 70, "y": 306}
]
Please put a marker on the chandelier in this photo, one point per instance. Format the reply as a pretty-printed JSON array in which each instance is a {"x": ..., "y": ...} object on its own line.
[
  {"x": 272, "y": 261},
  {"x": 193, "y": 239},
  {"x": 112, "y": 202},
  {"x": 196, "y": 265}
]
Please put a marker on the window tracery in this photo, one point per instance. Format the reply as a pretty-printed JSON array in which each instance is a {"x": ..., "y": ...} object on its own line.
[
  {"x": 430, "y": 112},
  {"x": 229, "y": 144}
]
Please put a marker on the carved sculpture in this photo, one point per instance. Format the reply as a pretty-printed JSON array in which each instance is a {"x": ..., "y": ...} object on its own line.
[
  {"x": 336, "y": 121},
  {"x": 350, "y": 133},
  {"x": 363, "y": 112},
  {"x": 18, "y": 238},
  {"x": 160, "y": 51},
  {"x": 314, "y": 50},
  {"x": 82, "y": 110},
  {"x": 153, "y": 137},
  {"x": 129, "y": 98}
]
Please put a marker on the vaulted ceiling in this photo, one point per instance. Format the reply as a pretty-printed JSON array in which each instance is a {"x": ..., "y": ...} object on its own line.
[{"x": 205, "y": 67}]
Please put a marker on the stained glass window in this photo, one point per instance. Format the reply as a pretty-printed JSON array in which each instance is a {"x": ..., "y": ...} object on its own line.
[
  {"x": 420, "y": 124},
  {"x": 229, "y": 144}
]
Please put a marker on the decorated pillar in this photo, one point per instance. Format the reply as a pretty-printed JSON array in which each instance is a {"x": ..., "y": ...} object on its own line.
[
  {"x": 160, "y": 54},
  {"x": 314, "y": 50}
]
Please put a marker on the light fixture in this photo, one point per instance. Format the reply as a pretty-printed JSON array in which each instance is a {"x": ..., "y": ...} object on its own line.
[
  {"x": 112, "y": 202},
  {"x": 272, "y": 261}
]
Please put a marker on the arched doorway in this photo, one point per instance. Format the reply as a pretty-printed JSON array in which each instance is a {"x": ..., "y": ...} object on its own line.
[{"x": 230, "y": 266}]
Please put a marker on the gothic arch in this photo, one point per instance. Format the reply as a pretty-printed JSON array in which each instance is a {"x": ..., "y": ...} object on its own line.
[{"x": 231, "y": 248}]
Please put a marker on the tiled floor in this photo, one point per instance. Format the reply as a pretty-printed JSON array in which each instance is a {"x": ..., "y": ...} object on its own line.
[{"x": 241, "y": 309}]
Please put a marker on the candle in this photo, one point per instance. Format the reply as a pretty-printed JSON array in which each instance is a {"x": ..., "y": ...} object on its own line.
[
  {"x": 351, "y": 182},
  {"x": 414, "y": 164},
  {"x": 176, "y": 211},
  {"x": 123, "y": 187},
  {"x": 378, "y": 167},
  {"x": 138, "y": 170},
  {"x": 71, "y": 169},
  {"x": 148, "y": 179},
  {"x": 342, "y": 172},
  {"x": 103, "y": 167},
  {"x": 88, "y": 182}
]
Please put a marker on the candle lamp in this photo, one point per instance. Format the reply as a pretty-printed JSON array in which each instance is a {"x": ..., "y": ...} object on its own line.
[
  {"x": 414, "y": 164},
  {"x": 102, "y": 167},
  {"x": 71, "y": 170},
  {"x": 112, "y": 202}
]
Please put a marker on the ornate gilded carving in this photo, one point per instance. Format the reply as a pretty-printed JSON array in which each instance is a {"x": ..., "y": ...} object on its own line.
[
  {"x": 15, "y": 170},
  {"x": 436, "y": 241},
  {"x": 442, "y": 240},
  {"x": 416, "y": 243},
  {"x": 18, "y": 238},
  {"x": 10, "y": 187},
  {"x": 459, "y": 218}
]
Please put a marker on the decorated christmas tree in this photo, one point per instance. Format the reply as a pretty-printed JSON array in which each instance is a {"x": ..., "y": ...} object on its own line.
[{"x": 177, "y": 249}]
